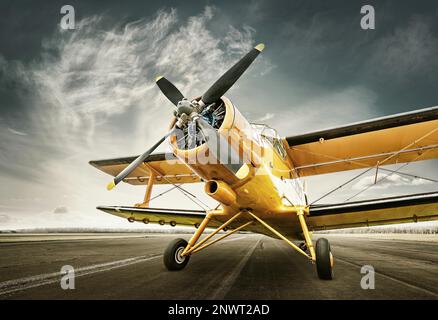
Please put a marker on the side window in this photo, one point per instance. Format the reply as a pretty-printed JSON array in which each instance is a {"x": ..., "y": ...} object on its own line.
[{"x": 279, "y": 148}]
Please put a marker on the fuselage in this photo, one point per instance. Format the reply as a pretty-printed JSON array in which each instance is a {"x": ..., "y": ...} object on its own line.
[{"x": 266, "y": 182}]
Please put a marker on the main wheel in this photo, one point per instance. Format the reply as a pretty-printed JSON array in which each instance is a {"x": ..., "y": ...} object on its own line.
[
  {"x": 324, "y": 259},
  {"x": 172, "y": 256}
]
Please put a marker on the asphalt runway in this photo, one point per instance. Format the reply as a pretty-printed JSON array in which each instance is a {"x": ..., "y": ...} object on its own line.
[{"x": 244, "y": 266}]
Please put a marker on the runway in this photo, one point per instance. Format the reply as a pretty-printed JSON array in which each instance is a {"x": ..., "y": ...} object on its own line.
[{"x": 244, "y": 266}]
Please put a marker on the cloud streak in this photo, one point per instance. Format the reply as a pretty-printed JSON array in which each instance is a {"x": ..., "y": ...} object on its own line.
[
  {"x": 93, "y": 95},
  {"x": 386, "y": 181},
  {"x": 407, "y": 51},
  {"x": 90, "y": 93},
  {"x": 18, "y": 133}
]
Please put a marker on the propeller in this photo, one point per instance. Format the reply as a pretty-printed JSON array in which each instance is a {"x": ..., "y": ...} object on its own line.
[
  {"x": 169, "y": 90},
  {"x": 220, "y": 87},
  {"x": 134, "y": 164},
  {"x": 188, "y": 115},
  {"x": 227, "y": 80}
]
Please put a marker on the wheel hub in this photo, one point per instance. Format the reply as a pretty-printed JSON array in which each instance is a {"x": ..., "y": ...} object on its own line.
[{"x": 178, "y": 257}]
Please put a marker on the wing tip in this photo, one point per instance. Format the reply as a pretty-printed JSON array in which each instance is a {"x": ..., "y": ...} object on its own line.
[
  {"x": 260, "y": 47},
  {"x": 110, "y": 185}
]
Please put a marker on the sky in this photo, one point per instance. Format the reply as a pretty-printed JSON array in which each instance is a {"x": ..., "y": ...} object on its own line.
[{"x": 70, "y": 96}]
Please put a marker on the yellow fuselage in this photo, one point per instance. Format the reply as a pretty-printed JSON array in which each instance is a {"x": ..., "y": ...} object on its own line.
[{"x": 266, "y": 184}]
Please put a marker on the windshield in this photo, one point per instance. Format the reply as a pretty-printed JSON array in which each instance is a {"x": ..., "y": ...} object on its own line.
[{"x": 271, "y": 136}]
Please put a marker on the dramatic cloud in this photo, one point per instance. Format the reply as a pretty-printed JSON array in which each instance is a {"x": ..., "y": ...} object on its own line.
[
  {"x": 69, "y": 96},
  {"x": 94, "y": 73},
  {"x": 93, "y": 95},
  {"x": 407, "y": 52}
]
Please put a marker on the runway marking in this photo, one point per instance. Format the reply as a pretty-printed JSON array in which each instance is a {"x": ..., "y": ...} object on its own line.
[
  {"x": 412, "y": 286},
  {"x": 21, "y": 284},
  {"x": 226, "y": 284}
]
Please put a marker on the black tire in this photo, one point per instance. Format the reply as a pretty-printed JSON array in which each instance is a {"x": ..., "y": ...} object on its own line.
[
  {"x": 324, "y": 259},
  {"x": 171, "y": 258}
]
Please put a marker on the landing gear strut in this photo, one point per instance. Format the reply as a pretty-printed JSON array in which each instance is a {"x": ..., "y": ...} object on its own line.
[
  {"x": 303, "y": 246},
  {"x": 179, "y": 251},
  {"x": 173, "y": 260},
  {"x": 320, "y": 255}
]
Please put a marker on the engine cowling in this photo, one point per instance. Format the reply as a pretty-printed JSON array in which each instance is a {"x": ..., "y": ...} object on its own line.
[{"x": 237, "y": 133}]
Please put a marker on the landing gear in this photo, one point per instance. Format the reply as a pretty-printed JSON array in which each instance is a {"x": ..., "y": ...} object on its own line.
[
  {"x": 303, "y": 246},
  {"x": 179, "y": 251},
  {"x": 172, "y": 256},
  {"x": 324, "y": 259}
]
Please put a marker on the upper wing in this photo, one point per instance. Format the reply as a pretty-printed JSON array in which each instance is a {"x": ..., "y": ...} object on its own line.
[
  {"x": 405, "y": 137},
  {"x": 401, "y": 209},
  {"x": 166, "y": 167}
]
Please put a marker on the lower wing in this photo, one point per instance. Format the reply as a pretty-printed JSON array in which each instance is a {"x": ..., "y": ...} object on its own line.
[
  {"x": 176, "y": 217},
  {"x": 157, "y": 215},
  {"x": 393, "y": 210},
  {"x": 402, "y": 209}
]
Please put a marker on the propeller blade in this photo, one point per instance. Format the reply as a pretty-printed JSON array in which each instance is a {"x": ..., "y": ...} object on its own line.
[
  {"x": 219, "y": 147},
  {"x": 134, "y": 164},
  {"x": 227, "y": 80},
  {"x": 169, "y": 90}
]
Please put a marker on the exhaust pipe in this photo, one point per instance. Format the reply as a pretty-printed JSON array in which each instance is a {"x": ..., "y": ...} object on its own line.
[{"x": 221, "y": 192}]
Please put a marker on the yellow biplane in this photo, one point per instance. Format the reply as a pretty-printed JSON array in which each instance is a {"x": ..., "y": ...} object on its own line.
[{"x": 255, "y": 175}]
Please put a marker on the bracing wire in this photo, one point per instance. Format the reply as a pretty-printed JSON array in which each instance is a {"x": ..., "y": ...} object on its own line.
[
  {"x": 379, "y": 163},
  {"x": 163, "y": 193},
  {"x": 384, "y": 178},
  {"x": 342, "y": 185},
  {"x": 186, "y": 193}
]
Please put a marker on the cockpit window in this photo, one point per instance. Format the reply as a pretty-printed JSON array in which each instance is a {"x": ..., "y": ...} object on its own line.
[
  {"x": 278, "y": 146},
  {"x": 269, "y": 134}
]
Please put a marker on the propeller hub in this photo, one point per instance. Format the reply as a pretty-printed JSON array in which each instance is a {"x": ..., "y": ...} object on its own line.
[
  {"x": 185, "y": 107},
  {"x": 187, "y": 110}
]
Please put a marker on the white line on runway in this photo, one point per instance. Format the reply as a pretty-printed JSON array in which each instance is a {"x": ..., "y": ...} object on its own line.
[
  {"x": 227, "y": 283},
  {"x": 11, "y": 286}
]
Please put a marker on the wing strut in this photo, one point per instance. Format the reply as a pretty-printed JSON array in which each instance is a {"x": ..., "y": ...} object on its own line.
[
  {"x": 382, "y": 179},
  {"x": 186, "y": 193}
]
